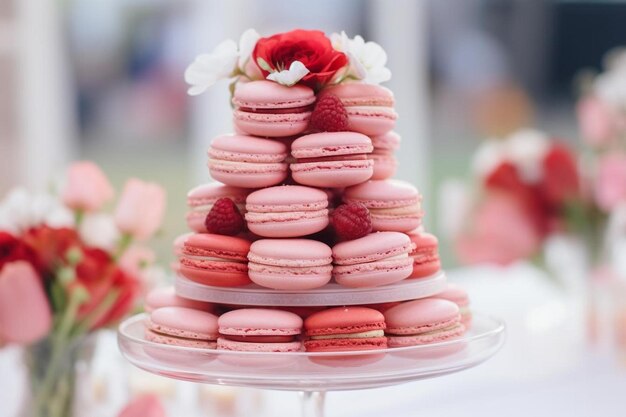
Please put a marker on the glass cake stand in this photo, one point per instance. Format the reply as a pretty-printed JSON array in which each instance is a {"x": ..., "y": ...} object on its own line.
[
  {"x": 329, "y": 295},
  {"x": 313, "y": 374}
]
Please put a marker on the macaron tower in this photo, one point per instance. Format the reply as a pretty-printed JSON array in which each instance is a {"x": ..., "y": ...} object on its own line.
[{"x": 304, "y": 200}]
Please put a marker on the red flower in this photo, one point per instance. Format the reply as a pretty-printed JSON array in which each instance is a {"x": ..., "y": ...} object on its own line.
[
  {"x": 51, "y": 245},
  {"x": 101, "y": 278},
  {"x": 311, "y": 47},
  {"x": 560, "y": 181},
  {"x": 13, "y": 249}
]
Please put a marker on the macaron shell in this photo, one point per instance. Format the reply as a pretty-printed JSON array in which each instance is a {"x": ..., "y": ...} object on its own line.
[
  {"x": 231, "y": 345},
  {"x": 423, "y": 339},
  {"x": 289, "y": 279},
  {"x": 271, "y": 125},
  {"x": 287, "y": 225},
  {"x": 383, "y": 194},
  {"x": 389, "y": 142},
  {"x": 217, "y": 274},
  {"x": 247, "y": 175},
  {"x": 216, "y": 246},
  {"x": 184, "y": 323},
  {"x": 290, "y": 252},
  {"x": 259, "y": 321},
  {"x": 371, "y": 120},
  {"x": 425, "y": 269},
  {"x": 421, "y": 316},
  {"x": 332, "y": 174},
  {"x": 245, "y": 148},
  {"x": 265, "y": 94},
  {"x": 373, "y": 274},
  {"x": 373, "y": 247},
  {"x": 383, "y": 223},
  {"x": 325, "y": 144},
  {"x": 385, "y": 165},
  {"x": 176, "y": 341},
  {"x": 361, "y": 94},
  {"x": 344, "y": 320},
  {"x": 343, "y": 345}
]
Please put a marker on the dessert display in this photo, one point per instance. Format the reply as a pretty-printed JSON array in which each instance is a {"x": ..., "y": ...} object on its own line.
[
  {"x": 302, "y": 200},
  {"x": 313, "y": 263}
]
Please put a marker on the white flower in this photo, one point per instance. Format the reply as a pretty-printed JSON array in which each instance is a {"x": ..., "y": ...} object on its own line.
[
  {"x": 21, "y": 210},
  {"x": 226, "y": 61},
  {"x": 290, "y": 76},
  {"x": 611, "y": 84},
  {"x": 489, "y": 155},
  {"x": 99, "y": 230},
  {"x": 526, "y": 149},
  {"x": 367, "y": 59},
  {"x": 247, "y": 42},
  {"x": 207, "y": 69}
]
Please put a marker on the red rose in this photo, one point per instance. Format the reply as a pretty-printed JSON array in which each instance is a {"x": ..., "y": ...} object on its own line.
[
  {"x": 311, "y": 47},
  {"x": 14, "y": 249},
  {"x": 560, "y": 180}
]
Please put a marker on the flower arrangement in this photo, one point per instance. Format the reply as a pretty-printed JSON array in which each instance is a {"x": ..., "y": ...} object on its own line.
[
  {"x": 528, "y": 189},
  {"x": 68, "y": 269},
  {"x": 601, "y": 112},
  {"x": 305, "y": 57}
]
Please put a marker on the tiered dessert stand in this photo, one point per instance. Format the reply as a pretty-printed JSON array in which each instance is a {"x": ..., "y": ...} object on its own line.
[{"x": 313, "y": 374}]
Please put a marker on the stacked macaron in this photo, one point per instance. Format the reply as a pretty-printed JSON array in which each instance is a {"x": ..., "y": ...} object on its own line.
[{"x": 305, "y": 197}]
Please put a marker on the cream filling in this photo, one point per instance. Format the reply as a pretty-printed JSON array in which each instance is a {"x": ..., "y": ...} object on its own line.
[
  {"x": 445, "y": 329},
  {"x": 362, "y": 335},
  {"x": 464, "y": 310},
  {"x": 211, "y": 259}
]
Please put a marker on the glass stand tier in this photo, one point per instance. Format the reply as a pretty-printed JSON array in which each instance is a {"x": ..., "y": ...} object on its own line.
[
  {"x": 312, "y": 373},
  {"x": 329, "y": 295}
]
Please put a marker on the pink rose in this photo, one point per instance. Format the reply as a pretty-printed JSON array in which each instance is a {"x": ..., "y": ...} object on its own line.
[
  {"x": 147, "y": 405},
  {"x": 24, "y": 310},
  {"x": 610, "y": 184},
  {"x": 140, "y": 209},
  {"x": 597, "y": 120},
  {"x": 87, "y": 187},
  {"x": 501, "y": 231}
]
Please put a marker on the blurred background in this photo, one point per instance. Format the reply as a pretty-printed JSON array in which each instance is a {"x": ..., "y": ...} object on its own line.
[{"x": 103, "y": 80}]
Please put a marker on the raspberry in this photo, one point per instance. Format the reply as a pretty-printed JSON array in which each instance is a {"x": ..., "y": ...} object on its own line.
[
  {"x": 351, "y": 221},
  {"x": 329, "y": 115},
  {"x": 224, "y": 218}
]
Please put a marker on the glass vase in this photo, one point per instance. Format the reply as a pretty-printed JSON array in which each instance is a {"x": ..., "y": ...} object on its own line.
[{"x": 52, "y": 367}]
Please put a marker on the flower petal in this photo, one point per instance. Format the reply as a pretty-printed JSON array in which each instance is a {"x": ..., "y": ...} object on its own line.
[
  {"x": 207, "y": 69},
  {"x": 247, "y": 42},
  {"x": 290, "y": 76}
]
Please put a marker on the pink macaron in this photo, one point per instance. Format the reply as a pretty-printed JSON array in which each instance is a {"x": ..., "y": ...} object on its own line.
[
  {"x": 425, "y": 254},
  {"x": 458, "y": 296},
  {"x": 420, "y": 322},
  {"x": 290, "y": 264},
  {"x": 287, "y": 211},
  {"x": 385, "y": 162},
  {"x": 394, "y": 205},
  {"x": 247, "y": 161},
  {"x": 166, "y": 297},
  {"x": 215, "y": 260},
  {"x": 332, "y": 159},
  {"x": 266, "y": 108},
  {"x": 345, "y": 329},
  {"x": 259, "y": 330},
  {"x": 179, "y": 326},
  {"x": 373, "y": 260},
  {"x": 369, "y": 107},
  {"x": 201, "y": 198}
]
